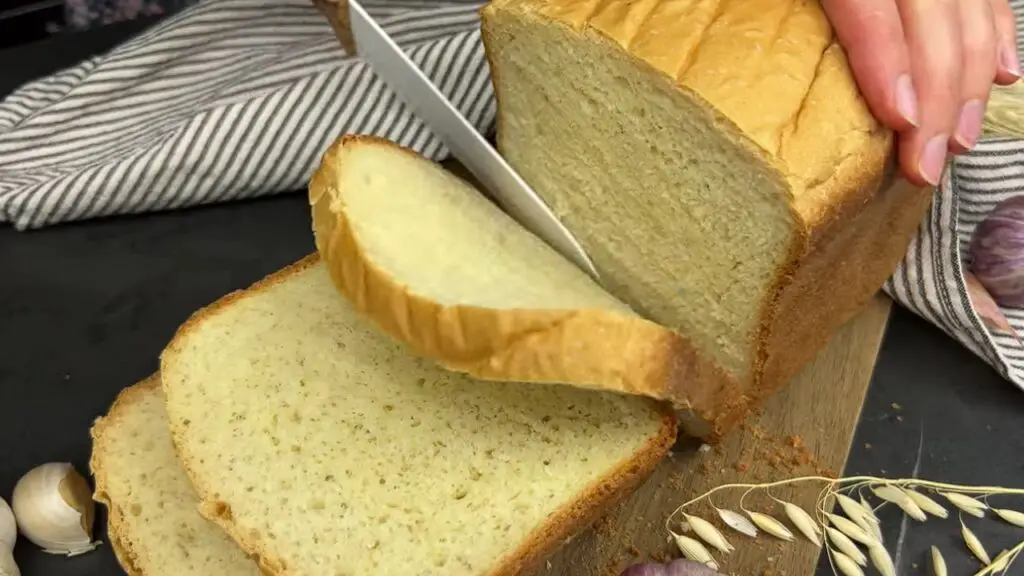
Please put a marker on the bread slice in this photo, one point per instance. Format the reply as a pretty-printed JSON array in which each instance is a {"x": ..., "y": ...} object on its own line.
[
  {"x": 153, "y": 522},
  {"x": 440, "y": 268},
  {"x": 324, "y": 448},
  {"x": 715, "y": 159}
]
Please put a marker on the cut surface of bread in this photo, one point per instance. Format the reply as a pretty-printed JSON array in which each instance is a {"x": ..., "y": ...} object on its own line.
[
  {"x": 324, "y": 447},
  {"x": 153, "y": 522},
  {"x": 715, "y": 159},
  {"x": 439, "y": 267}
]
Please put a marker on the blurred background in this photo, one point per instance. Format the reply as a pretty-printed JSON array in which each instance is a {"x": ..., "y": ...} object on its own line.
[{"x": 24, "y": 21}]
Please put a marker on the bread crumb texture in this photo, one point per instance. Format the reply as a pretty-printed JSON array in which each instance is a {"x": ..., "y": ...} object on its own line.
[
  {"x": 437, "y": 266},
  {"x": 321, "y": 445},
  {"x": 153, "y": 518}
]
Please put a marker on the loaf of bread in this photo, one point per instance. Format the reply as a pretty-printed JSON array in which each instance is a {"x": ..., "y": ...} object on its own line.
[
  {"x": 323, "y": 447},
  {"x": 153, "y": 520},
  {"x": 437, "y": 266},
  {"x": 716, "y": 160}
]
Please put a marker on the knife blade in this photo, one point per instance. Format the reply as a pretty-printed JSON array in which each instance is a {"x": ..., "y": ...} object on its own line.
[{"x": 468, "y": 146}]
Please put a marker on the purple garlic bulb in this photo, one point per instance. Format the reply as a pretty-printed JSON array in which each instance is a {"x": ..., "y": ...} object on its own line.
[{"x": 997, "y": 253}]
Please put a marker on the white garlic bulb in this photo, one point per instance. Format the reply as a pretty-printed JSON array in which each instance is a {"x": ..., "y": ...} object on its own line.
[
  {"x": 54, "y": 509},
  {"x": 8, "y": 536}
]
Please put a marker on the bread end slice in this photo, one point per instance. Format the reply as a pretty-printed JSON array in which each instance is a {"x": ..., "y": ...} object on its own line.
[
  {"x": 438, "y": 267},
  {"x": 153, "y": 523}
]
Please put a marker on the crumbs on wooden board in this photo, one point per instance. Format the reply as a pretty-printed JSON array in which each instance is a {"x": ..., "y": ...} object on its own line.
[
  {"x": 762, "y": 455},
  {"x": 787, "y": 454}
]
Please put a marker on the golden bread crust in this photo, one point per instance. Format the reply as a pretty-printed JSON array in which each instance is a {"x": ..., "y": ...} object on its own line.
[
  {"x": 844, "y": 270},
  {"x": 563, "y": 523},
  {"x": 587, "y": 348}
]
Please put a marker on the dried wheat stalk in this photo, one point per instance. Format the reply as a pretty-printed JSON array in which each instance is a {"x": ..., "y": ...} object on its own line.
[{"x": 850, "y": 534}]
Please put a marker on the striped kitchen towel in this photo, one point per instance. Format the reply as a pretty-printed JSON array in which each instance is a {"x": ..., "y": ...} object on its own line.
[
  {"x": 238, "y": 98},
  {"x": 930, "y": 280},
  {"x": 227, "y": 99}
]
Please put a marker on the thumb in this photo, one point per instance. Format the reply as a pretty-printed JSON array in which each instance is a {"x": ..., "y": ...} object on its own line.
[{"x": 871, "y": 33}]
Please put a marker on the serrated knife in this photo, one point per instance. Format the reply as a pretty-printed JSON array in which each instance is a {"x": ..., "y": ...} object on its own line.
[{"x": 410, "y": 84}]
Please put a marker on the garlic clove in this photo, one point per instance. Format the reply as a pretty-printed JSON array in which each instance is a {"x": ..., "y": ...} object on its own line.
[
  {"x": 8, "y": 527},
  {"x": 8, "y": 536},
  {"x": 7, "y": 565},
  {"x": 54, "y": 509}
]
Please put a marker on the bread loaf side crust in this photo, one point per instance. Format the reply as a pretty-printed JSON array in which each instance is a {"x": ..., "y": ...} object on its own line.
[
  {"x": 856, "y": 220},
  {"x": 561, "y": 524},
  {"x": 621, "y": 353},
  {"x": 840, "y": 273}
]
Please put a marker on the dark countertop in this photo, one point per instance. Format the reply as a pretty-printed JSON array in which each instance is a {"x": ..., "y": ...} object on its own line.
[{"x": 86, "y": 308}]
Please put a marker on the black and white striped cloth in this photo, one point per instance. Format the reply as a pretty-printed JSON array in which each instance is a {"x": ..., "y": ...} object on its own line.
[
  {"x": 228, "y": 99},
  {"x": 238, "y": 98}
]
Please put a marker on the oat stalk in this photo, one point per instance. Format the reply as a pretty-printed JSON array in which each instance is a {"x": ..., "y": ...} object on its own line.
[{"x": 844, "y": 513}]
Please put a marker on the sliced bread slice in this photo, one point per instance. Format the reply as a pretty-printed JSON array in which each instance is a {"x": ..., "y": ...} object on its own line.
[
  {"x": 445, "y": 271},
  {"x": 325, "y": 448},
  {"x": 153, "y": 520}
]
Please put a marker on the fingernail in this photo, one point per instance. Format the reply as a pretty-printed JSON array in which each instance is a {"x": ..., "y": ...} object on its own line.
[
  {"x": 933, "y": 159},
  {"x": 1009, "y": 60},
  {"x": 906, "y": 99},
  {"x": 968, "y": 127}
]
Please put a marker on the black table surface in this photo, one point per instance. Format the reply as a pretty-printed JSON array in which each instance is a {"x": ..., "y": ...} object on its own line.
[{"x": 86, "y": 308}]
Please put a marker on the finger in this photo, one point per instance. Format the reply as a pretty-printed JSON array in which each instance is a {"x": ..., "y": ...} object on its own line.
[
  {"x": 871, "y": 33},
  {"x": 978, "y": 38},
  {"x": 1006, "y": 32},
  {"x": 933, "y": 36}
]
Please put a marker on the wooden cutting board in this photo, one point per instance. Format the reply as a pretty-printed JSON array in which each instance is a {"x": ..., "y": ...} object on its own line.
[{"x": 805, "y": 429}]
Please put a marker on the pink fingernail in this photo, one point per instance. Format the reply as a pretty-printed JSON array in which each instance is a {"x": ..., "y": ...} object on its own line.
[
  {"x": 1009, "y": 60},
  {"x": 968, "y": 127},
  {"x": 906, "y": 99},
  {"x": 933, "y": 159}
]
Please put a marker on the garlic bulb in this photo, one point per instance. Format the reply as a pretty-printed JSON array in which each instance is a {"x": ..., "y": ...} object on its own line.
[
  {"x": 54, "y": 509},
  {"x": 8, "y": 535}
]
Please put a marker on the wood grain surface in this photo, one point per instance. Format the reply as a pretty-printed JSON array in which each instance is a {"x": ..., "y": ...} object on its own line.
[{"x": 805, "y": 429}]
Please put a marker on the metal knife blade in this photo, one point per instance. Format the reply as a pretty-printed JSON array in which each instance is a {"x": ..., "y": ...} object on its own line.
[{"x": 510, "y": 191}]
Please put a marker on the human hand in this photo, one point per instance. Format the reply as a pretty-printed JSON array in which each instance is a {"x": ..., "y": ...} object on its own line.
[{"x": 926, "y": 68}]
